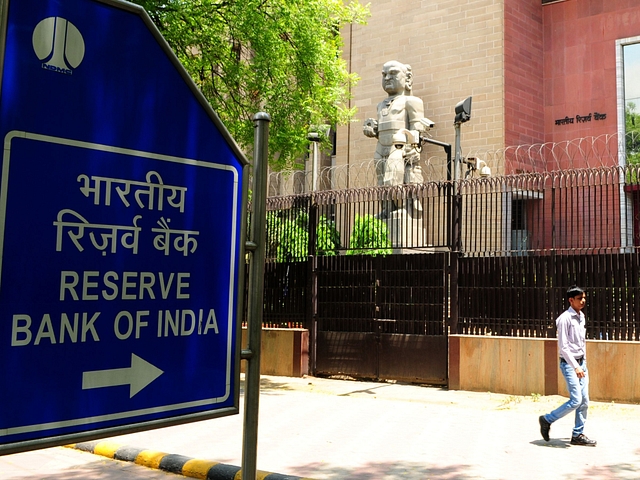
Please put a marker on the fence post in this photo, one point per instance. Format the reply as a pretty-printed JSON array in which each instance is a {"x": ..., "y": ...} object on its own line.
[
  {"x": 453, "y": 292},
  {"x": 312, "y": 284},
  {"x": 456, "y": 251}
]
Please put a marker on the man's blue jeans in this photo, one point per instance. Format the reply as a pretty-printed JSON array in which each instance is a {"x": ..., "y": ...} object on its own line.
[{"x": 578, "y": 397}]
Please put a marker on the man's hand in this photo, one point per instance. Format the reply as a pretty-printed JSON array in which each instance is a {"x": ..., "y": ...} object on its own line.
[{"x": 580, "y": 373}]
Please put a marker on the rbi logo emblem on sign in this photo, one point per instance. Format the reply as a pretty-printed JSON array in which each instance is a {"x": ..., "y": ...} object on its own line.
[{"x": 59, "y": 44}]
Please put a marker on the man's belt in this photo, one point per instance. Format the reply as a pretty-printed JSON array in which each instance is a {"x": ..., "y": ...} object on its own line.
[{"x": 578, "y": 359}]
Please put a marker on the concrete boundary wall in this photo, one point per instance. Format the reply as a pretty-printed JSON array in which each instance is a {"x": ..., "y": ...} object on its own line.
[
  {"x": 285, "y": 351},
  {"x": 525, "y": 366},
  {"x": 513, "y": 366}
]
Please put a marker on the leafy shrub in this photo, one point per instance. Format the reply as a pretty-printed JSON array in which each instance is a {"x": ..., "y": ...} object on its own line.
[
  {"x": 370, "y": 236},
  {"x": 288, "y": 239},
  {"x": 327, "y": 237}
]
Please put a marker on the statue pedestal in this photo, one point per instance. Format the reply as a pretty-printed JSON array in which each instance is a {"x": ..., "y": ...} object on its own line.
[{"x": 407, "y": 232}]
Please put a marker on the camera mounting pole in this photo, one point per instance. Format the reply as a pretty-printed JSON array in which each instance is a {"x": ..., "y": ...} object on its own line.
[
  {"x": 463, "y": 114},
  {"x": 447, "y": 149}
]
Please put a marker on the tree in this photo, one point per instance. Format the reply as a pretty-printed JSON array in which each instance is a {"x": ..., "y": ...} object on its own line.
[
  {"x": 279, "y": 56},
  {"x": 632, "y": 134}
]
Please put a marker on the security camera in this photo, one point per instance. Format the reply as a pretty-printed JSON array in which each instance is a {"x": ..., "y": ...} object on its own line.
[
  {"x": 472, "y": 162},
  {"x": 482, "y": 168},
  {"x": 399, "y": 140},
  {"x": 406, "y": 137},
  {"x": 477, "y": 165},
  {"x": 427, "y": 123},
  {"x": 313, "y": 136}
]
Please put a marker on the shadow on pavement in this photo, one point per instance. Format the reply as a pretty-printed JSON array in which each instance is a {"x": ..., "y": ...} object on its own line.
[
  {"x": 621, "y": 470},
  {"x": 96, "y": 471},
  {"x": 369, "y": 391},
  {"x": 553, "y": 443},
  {"x": 268, "y": 385},
  {"x": 376, "y": 471}
]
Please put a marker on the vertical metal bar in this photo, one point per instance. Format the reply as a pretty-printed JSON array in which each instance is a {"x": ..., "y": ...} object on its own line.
[
  {"x": 312, "y": 284},
  {"x": 453, "y": 291},
  {"x": 256, "y": 294},
  {"x": 454, "y": 237},
  {"x": 553, "y": 218},
  {"x": 314, "y": 172}
]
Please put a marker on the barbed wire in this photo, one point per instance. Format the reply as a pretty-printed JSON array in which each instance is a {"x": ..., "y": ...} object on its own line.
[{"x": 586, "y": 152}]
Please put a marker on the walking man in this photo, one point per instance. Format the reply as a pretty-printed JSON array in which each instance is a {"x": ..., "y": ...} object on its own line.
[{"x": 573, "y": 364}]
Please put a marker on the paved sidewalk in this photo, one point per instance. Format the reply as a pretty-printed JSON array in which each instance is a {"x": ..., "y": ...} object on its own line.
[{"x": 337, "y": 429}]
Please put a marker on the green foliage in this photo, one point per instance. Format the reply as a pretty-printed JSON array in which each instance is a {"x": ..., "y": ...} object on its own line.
[
  {"x": 273, "y": 237},
  {"x": 283, "y": 57},
  {"x": 288, "y": 238},
  {"x": 327, "y": 237},
  {"x": 370, "y": 236},
  {"x": 632, "y": 141},
  {"x": 294, "y": 241},
  {"x": 632, "y": 134}
]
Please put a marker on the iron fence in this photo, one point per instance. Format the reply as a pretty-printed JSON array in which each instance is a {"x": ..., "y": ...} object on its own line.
[
  {"x": 515, "y": 242},
  {"x": 522, "y": 296},
  {"x": 572, "y": 211}
]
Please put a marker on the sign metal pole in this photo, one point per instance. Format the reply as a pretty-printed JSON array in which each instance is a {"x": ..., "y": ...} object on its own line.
[{"x": 256, "y": 245}]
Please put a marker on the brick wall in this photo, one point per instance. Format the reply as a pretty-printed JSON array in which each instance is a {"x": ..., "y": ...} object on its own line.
[{"x": 455, "y": 49}]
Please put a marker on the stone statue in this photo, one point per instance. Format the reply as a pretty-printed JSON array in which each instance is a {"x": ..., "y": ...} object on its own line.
[{"x": 400, "y": 120}]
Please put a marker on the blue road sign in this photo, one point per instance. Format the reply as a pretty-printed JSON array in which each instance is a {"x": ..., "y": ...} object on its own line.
[{"x": 120, "y": 229}]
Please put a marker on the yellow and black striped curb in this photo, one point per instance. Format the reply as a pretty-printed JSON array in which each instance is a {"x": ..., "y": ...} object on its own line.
[{"x": 179, "y": 464}]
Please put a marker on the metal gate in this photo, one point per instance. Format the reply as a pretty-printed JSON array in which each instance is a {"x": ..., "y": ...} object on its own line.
[{"x": 382, "y": 317}]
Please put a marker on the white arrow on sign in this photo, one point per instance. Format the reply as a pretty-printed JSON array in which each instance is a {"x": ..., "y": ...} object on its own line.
[{"x": 139, "y": 375}]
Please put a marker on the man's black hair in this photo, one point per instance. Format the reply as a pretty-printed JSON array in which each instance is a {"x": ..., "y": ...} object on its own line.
[{"x": 574, "y": 291}]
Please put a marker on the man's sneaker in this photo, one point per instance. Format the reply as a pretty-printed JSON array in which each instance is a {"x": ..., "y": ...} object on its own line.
[
  {"x": 545, "y": 427},
  {"x": 583, "y": 440}
]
